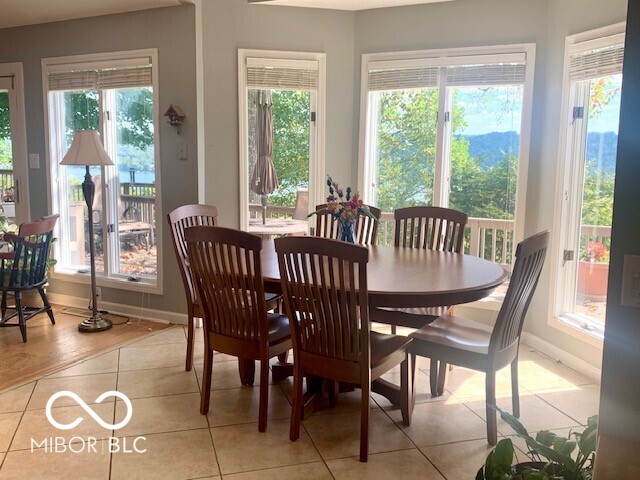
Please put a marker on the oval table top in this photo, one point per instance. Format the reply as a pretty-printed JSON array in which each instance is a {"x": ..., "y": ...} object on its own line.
[{"x": 410, "y": 277}]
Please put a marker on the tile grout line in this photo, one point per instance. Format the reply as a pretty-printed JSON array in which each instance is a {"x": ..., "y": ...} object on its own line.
[
  {"x": 115, "y": 408},
  {"x": 13, "y": 437}
]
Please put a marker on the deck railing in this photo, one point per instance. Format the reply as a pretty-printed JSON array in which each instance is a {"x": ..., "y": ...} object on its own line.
[
  {"x": 488, "y": 238},
  {"x": 6, "y": 180}
]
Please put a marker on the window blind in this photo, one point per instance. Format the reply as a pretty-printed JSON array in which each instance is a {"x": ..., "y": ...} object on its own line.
[
  {"x": 596, "y": 63},
  {"x": 282, "y": 74},
  {"x": 403, "y": 78},
  {"x": 101, "y": 78},
  {"x": 475, "y": 75}
]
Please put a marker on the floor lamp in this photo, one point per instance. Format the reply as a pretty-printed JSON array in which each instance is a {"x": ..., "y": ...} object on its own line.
[{"x": 87, "y": 150}]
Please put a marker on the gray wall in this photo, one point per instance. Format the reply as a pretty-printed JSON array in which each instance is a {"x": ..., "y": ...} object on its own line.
[
  {"x": 620, "y": 405},
  {"x": 171, "y": 31},
  {"x": 231, "y": 24},
  {"x": 465, "y": 23}
]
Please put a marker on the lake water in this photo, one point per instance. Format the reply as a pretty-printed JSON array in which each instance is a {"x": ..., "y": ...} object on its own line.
[{"x": 125, "y": 176}]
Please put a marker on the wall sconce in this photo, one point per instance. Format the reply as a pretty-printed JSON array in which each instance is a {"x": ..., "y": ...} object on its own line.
[{"x": 176, "y": 116}]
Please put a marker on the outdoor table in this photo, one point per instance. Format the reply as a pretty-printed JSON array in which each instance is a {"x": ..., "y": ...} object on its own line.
[{"x": 279, "y": 227}]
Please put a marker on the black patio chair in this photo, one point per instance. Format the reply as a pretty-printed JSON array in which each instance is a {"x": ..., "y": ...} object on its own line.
[{"x": 25, "y": 268}]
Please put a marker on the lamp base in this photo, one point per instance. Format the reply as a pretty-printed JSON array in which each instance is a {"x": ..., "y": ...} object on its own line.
[{"x": 95, "y": 324}]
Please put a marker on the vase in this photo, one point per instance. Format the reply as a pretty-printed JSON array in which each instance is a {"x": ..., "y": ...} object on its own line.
[
  {"x": 346, "y": 230},
  {"x": 592, "y": 280}
]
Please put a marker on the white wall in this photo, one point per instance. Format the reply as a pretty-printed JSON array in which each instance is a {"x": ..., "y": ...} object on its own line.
[{"x": 231, "y": 24}]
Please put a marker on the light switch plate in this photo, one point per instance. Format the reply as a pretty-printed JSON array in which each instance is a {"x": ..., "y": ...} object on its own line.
[
  {"x": 631, "y": 281},
  {"x": 34, "y": 160}
]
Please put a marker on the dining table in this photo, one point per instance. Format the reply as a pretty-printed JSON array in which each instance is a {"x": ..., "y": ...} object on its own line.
[{"x": 400, "y": 277}]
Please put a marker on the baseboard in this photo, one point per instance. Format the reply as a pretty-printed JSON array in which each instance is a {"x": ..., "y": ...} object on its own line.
[
  {"x": 160, "y": 316},
  {"x": 571, "y": 361}
]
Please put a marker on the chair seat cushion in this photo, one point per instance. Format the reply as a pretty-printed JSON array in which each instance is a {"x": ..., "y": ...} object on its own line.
[
  {"x": 384, "y": 345},
  {"x": 278, "y": 328},
  {"x": 456, "y": 332}
]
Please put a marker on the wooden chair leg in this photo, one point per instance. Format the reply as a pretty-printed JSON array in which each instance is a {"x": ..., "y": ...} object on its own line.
[
  {"x": 443, "y": 371},
  {"x": 264, "y": 395},
  {"x": 247, "y": 368},
  {"x": 492, "y": 421},
  {"x": 4, "y": 303},
  {"x": 296, "y": 408},
  {"x": 332, "y": 388},
  {"x": 190, "y": 341},
  {"x": 393, "y": 329},
  {"x": 433, "y": 377},
  {"x": 47, "y": 305},
  {"x": 515, "y": 392},
  {"x": 206, "y": 380},
  {"x": 405, "y": 393},
  {"x": 21, "y": 321},
  {"x": 364, "y": 422}
]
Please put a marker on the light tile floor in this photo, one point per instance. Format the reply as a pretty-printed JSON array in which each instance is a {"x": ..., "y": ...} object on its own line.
[{"x": 446, "y": 439}]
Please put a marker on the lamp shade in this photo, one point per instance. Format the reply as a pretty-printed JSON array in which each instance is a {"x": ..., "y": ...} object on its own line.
[{"x": 86, "y": 149}]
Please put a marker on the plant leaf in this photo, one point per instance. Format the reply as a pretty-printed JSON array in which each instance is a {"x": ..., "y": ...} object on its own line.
[
  {"x": 564, "y": 446},
  {"x": 546, "y": 437},
  {"x": 503, "y": 455}
]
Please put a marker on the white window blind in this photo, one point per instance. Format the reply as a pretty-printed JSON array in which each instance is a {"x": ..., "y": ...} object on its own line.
[
  {"x": 101, "y": 78},
  {"x": 276, "y": 74},
  {"x": 403, "y": 78},
  {"x": 596, "y": 63},
  {"x": 476, "y": 75}
]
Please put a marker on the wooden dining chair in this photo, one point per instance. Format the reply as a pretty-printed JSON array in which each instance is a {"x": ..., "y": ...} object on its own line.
[
  {"x": 180, "y": 219},
  {"x": 366, "y": 227},
  {"x": 24, "y": 269},
  {"x": 459, "y": 341},
  {"x": 227, "y": 275},
  {"x": 324, "y": 284},
  {"x": 432, "y": 228}
]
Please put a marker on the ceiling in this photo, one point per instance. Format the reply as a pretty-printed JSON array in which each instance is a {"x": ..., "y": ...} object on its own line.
[
  {"x": 27, "y": 12},
  {"x": 346, "y": 4}
]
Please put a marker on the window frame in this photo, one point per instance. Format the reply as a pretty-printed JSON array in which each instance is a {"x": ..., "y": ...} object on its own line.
[
  {"x": 570, "y": 178},
  {"x": 316, "y": 142},
  {"x": 446, "y": 57},
  {"x": 116, "y": 280}
]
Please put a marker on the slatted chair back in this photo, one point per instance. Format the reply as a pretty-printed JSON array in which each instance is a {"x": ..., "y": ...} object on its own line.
[
  {"x": 179, "y": 220},
  {"x": 432, "y": 228},
  {"x": 366, "y": 227},
  {"x": 530, "y": 256},
  {"x": 225, "y": 264},
  {"x": 324, "y": 284},
  {"x": 31, "y": 249}
]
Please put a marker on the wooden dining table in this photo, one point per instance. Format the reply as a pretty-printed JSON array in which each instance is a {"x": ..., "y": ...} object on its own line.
[{"x": 404, "y": 277}]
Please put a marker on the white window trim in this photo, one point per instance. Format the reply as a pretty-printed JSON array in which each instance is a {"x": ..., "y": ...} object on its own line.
[
  {"x": 453, "y": 56},
  {"x": 116, "y": 281},
  {"x": 19, "y": 139},
  {"x": 316, "y": 171},
  {"x": 570, "y": 323}
]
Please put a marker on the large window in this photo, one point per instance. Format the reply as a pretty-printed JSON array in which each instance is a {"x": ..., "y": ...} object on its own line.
[
  {"x": 450, "y": 129},
  {"x": 281, "y": 136},
  {"x": 587, "y": 175},
  {"x": 116, "y": 96}
]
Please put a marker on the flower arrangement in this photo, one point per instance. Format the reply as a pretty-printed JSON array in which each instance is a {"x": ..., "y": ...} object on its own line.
[
  {"x": 596, "y": 252},
  {"x": 346, "y": 207}
]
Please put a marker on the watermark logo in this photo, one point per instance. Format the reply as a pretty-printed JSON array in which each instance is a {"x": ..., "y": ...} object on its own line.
[
  {"x": 79, "y": 444},
  {"x": 89, "y": 410}
]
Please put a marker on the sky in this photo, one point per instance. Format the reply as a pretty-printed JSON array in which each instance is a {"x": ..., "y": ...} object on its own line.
[{"x": 486, "y": 113}]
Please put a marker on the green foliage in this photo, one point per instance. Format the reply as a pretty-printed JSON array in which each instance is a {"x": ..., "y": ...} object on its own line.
[
  {"x": 557, "y": 458},
  {"x": 291, "y": 111}
]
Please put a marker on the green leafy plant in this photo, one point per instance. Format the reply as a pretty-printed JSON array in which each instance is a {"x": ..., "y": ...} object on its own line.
[{"x": 554, "y": 457}]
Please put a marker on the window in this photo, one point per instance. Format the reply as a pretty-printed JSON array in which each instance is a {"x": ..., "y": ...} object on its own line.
[
  {"x": 115, "y": 94},
  {"x": 587, "y": 175},
  {"x": 288, "y": 88},
  {"x": 450, "y": 129}
]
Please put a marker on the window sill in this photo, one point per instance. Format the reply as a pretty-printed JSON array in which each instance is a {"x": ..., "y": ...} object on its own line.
[
  {"x": 145, "y": 285},
  {"x": 579, "y": 327}
]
